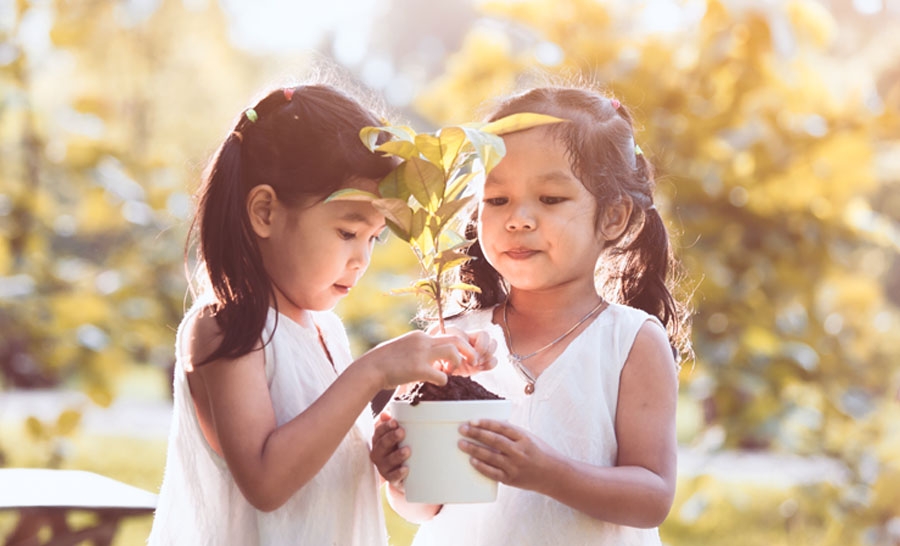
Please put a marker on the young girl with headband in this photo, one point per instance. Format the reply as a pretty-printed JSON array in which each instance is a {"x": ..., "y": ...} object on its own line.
[
  {"x": 269, "y": 438},
  {"x": 572, "y": 262}
]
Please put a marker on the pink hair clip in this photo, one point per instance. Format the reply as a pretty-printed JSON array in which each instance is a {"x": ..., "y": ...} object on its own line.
[
  {"x": 615, "y": 103},
  {"x": 288, "y": 94}
]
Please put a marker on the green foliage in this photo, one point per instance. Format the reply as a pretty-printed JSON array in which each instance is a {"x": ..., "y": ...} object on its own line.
[
  {"x": 777, "y": 174},
  {"x": 424, "y": 200}
]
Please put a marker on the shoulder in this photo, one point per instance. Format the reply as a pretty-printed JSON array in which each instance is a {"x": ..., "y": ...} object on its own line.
[
  {"x": 651, "y": 352},
  {"x": 203, "y": 335}
]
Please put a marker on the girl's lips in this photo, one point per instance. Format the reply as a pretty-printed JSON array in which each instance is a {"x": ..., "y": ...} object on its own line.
[
  {"x": 520, "y": 253},
  {"x": 342, "y": 289}
]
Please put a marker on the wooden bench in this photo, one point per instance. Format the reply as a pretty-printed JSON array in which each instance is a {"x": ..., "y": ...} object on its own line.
[{"x": 44, "y": 497}]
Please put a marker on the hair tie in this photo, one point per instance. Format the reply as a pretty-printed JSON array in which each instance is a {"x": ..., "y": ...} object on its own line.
[
  {"x": 288, "y": 94},
  {"x": 615, "y": 103},
  {"x": 251, "y": 115},
  {"x": 651, "y": 207}
]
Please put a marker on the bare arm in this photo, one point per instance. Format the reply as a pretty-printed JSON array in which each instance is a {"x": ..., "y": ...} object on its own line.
[
  {"x": 269, "y": 463},
  {"x": 639, "y": 490}
]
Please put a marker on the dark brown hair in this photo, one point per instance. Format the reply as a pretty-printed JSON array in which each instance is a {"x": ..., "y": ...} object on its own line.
[
  {"x": 599, "y": 139},
  {"x": 304, "y": 142}
]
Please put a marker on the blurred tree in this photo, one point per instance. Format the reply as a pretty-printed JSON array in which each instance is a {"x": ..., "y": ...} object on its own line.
[
  {"x": 108, "y": 111},
  {"x": 780, "y": 176}
]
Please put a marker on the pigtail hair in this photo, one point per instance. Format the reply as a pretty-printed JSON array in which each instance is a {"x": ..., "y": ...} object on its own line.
[
  {"x": 231, "y": 258},
  {"x": 480, "y": 273},
  {"x": 645, "y": 262}
]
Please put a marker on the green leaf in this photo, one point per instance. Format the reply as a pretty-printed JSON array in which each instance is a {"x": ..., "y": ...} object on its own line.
[
  {"x": 489, "y": 147},
  {"x": 400, "y": 148},
  {"x": 464, "y": 286},
  {"x": 452, "y": 141},
  {"x": 393, "y": 186},
  {"x": 369, "y": 135},
  {"x": 424, "y": 180},
  {"x": 417, "y": 226},
  {"x": 459, "y": 184},
  {"x": 452, "y": 240},
  {"x": 351, "y": 194},
  {"x": 451, "y": 208},
  {"x": 449, "y": 259},
  {"x": 430, "y": 148},
  {"x": 398, "y": 213},
  {"x": 519, "y": 122},
  {"x": 397, "y": 230}
]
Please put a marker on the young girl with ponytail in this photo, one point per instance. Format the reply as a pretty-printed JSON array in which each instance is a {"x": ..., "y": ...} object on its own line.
[
  {"x": 270, "y": 431},
  {"x": 572, "y": 262}
]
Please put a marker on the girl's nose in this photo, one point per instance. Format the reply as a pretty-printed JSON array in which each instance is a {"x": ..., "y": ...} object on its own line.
[
  {"x": 361, "y": 257},
  {"x": 520, "y": 220}
]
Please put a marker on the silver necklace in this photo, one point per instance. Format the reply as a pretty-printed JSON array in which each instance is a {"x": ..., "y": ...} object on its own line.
[{"x": 517, "y": 360}]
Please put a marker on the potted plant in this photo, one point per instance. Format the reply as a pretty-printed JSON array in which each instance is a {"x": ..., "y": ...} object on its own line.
[{"x": 425, "y": 203}]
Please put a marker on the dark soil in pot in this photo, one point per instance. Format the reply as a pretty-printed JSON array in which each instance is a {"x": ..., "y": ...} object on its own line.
[{"x": 458, "y": 387}]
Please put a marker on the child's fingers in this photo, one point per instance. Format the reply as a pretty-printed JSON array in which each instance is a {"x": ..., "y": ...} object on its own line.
[
  {"x": 396, "y": 476},
  {"x": 491, "y": 472},
  {"x": 384, "y": 426},
  {"x": 499, "y": 427},
  {"x": 456, "y": 348},
  {"x": 434, "y": 376}
]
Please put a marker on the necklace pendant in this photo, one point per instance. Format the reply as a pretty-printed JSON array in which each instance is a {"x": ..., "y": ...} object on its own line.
[{"x": 516, "y": 361}]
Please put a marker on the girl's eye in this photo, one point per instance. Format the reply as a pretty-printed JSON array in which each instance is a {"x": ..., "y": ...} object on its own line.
[
  {"x": 346, "y": 235},
  {"x": 548, "y": 200},
  {"x": 496, "y": 201}
]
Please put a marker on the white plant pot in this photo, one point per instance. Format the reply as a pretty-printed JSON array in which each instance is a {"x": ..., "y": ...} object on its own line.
[{"x": 440, "y": 472}]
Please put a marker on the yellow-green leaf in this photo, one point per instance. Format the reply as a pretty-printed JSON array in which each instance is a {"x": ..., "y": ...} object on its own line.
[
  {"x": 464, "y": 286},
  {"x": 369, "y": 135},
  {"x": 489, "y": 147},
  {"x": 430, "y": 148},
  {"x": 397, "y": 212},
  {"x": 393, "y": 186},
  {"x": 451, "y": 208},
  {"x": 459, "y": 184},
  {"x": 424, "y": 180},
  {"x": 351, "y": 194},
  {"x": 417, "y": 226},
  {"x": 519, "y": 122},
  {"x": 400, "y": 148},
  {"x": 452, "y": 140},
  {"x": 450, "y": 259}
]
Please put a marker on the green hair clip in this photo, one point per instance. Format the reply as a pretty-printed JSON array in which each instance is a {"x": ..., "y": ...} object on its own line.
[
  {"x": 637, "y": 150},
  {"x": 251, "y": 115}
]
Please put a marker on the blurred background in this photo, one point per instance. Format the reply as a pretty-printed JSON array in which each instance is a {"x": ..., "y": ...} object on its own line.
[{"x": 774, "y": 126}]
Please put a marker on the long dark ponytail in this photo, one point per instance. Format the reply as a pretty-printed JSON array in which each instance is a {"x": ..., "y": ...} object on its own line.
[{"x": 304, "y": 142}]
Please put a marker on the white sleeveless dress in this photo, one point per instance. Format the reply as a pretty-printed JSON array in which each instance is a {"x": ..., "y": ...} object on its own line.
[
  {"x": 199, "y": 502},
  {"x": 573, "y": 408}
]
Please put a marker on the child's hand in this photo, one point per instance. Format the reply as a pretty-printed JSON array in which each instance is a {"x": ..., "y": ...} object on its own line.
[
  {"x": 483, "y": 344},
  {"x": 510, "y": 454},
  {"x": 418, "y": 356},
  {"x": 386, "y": 452}
]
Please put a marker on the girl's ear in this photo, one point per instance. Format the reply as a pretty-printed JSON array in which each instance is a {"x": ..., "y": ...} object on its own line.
[
  {"x": 615, "y": 219},
  {"x": 260, "y": 205}
]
